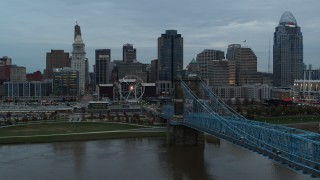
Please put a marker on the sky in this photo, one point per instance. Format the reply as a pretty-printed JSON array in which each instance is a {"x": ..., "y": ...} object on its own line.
[{"x": 30, "y": 29}]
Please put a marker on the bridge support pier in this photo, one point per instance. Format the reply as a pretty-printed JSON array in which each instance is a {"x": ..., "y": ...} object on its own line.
[{"x": 179, "y": 135}]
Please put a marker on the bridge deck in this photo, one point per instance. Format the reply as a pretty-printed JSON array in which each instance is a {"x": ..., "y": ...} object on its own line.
[{"x": 204, "y": 111}]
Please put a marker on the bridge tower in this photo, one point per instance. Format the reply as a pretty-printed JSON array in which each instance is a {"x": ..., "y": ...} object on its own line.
[{"x": 179, "y": 134}]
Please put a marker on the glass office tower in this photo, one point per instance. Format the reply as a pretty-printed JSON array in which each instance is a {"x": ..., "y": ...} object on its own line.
[{"x": 287, "y": 52}]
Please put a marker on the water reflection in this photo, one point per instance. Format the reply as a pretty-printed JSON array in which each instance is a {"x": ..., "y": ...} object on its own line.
[
  {"x": 282, "y": 172},
  {"x": 147, "y": 158},
  {"x": 72, "y": 152},
  {"x": 185, "y": 162}
]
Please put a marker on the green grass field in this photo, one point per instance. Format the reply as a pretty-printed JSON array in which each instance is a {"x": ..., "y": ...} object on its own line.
[
  {"x": 61, "y": 128},
  {"x": 289, "y": 119},
  {"x": 53, "y": 132}
]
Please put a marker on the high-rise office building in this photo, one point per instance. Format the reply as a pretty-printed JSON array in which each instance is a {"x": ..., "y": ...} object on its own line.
[
  {"x": 154, "y": 70},
  {"x": 204, "y": 57},
  {"x": 102, "y": 74},
  {"x": 18, "y": 74},
  {"x": 86, "y": 73},
  {"x": 129, "y": 54},
  {"x": 287, "y": 52},
  {"x": 126, "y": 68},
  {"x": 245, "y": 64},
  {"x": 78, "y": 60},
  {"x": 221, "y": 72},
  {"x": 56, "y": 59},
  {"x": 66, "y": 82},
  {"x": 170, "y": 59},
  {"x": 5, "y": 67}
]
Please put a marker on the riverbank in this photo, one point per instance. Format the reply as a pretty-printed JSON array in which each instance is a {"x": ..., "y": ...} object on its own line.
[
  {"x": 289, "y": 119},
  {"x": 60, "y": 131},
  {"x": 80, "y": 131}
]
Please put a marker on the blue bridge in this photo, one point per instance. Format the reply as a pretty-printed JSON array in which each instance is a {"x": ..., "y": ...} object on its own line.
[{"x": 197, "y": 108}]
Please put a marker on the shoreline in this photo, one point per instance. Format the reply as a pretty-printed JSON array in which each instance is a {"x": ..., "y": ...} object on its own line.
[
  {"x": 89, "y": 137},
  {"x": 78, "y": 137},
  {"x": 142, "y": 132}
]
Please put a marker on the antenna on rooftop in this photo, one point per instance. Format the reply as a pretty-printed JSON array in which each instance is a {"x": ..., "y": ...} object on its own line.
[{"x": 245, "y": 43}]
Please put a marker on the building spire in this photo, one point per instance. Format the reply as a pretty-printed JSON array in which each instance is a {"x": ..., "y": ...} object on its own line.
[{"x": 77, "y": 30}]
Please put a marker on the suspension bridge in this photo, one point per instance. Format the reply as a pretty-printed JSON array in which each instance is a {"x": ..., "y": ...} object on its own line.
[{"x": 197, "y": 110}]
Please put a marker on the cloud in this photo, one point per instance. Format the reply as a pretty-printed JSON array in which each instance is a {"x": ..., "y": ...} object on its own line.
[{"x": 43, "y": 25}]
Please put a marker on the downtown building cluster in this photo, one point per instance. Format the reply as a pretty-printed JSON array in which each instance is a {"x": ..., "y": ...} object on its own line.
[{"x": 230, "y": 75}]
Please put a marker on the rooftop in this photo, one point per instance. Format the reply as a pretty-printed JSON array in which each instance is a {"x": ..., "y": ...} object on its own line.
[{"x": 287, "y": 18}]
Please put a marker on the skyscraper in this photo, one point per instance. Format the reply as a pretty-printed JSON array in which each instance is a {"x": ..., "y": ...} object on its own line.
[
  {"x": 204, "y": 57},
  {"x": 65, "y": 82},
  {"x": 126, "y": 68},
  {"x": 245, "y": 64},
  {"x": 221, "y": 72},
  {"x": 102, "y": 75},
  {"x": 287, "y": 51},
  {"x": 78, "y": 60},
  {"x": 18, "y": 73},
  {"x": 129, "y": 54},
  {"x": 5, "y": 66},
  {"x": 170, "y": 57},
  {"x": 86, "y": 73},
  {"x": 154, "y": 70},
  {"x": 55, "y": 59}
]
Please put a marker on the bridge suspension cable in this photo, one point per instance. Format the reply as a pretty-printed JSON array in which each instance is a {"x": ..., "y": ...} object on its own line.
[{"x": 207, "y": 113}]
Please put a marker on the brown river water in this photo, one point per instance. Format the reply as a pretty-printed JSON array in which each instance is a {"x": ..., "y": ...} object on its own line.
[{"x": 141, "y": 158}]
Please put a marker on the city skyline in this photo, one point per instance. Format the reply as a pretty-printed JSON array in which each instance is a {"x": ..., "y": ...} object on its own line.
[{"x": 33, "y": 28}]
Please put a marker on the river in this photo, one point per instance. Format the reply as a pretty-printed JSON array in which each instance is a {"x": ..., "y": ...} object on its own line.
[{"x": 141, "y": 158}]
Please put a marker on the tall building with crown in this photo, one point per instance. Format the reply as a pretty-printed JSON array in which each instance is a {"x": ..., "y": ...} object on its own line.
[
  {"x": 287, "y": 52},
  {"x": 78, "y": 60}
]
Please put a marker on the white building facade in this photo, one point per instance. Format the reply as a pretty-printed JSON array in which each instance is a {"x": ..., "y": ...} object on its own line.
[{"x": 78, "y": 60}]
